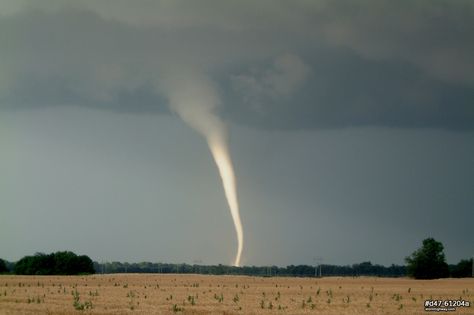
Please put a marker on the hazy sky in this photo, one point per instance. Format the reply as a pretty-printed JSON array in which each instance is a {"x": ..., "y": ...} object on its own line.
[{"x": 351, "y": 129}]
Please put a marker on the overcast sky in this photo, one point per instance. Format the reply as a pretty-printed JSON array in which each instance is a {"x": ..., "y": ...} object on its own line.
[{"x": 351, "y": 129}]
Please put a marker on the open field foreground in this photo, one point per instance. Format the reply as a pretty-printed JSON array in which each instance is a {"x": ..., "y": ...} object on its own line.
[{"x": 199, "y": 294}]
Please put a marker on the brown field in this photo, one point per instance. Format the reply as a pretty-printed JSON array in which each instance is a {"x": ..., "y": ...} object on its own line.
[{"x": 199, "y": 294}]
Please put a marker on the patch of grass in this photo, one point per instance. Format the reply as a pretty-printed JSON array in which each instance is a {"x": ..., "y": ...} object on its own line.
[
  {"x": 77, "y": 303},
  {"x": 236, "y": 298},
  {"x": 219, "y": 298},
  {"x": 177, "y": 309},
  {"x": 397, "y": 297}
]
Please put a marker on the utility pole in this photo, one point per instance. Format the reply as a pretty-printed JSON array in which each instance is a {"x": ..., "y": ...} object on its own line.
[
  {"x": 318, "y": 261},
  {"x": 197, "y": 263}
]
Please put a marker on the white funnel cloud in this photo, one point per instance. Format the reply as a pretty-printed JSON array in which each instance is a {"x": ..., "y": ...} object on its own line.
[
  {"x": 221, "y": 155},
  {"x": 193, "y": 97}
]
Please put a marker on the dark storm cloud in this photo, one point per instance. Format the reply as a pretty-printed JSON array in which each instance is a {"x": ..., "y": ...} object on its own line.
[
  {"x": 305, "y": 65},
  {"x": 345, "y": 90}
]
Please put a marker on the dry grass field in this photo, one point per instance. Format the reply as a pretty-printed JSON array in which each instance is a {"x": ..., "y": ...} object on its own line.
[{"x": 199, "y": 294}]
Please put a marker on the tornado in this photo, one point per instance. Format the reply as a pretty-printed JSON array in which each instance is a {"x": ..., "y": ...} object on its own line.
[
  {"x": 221, "y": 155},
  {"x": 193, "y": 97}
]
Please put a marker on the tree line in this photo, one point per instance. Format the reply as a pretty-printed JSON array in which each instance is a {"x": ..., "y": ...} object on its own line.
[
  {"x": 362, "y": 269},
  {"x": 462, "y": 269},
  {"x": 427, "y": 262}
]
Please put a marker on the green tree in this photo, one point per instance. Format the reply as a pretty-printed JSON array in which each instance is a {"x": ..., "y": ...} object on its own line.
[
  {"x": 59, "y": 263},
  {"x": 3, "y": 266},
  {"x": 84, "y": 264},
  {"x": 428, "y": 262},
  {"x": 65, "y": 263},
  {"x": 25, "y": 266},
  {"x": 463, "y": 269}
]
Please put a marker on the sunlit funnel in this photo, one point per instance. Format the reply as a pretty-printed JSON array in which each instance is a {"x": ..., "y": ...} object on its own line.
[{"x": 221, "y": 156}]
